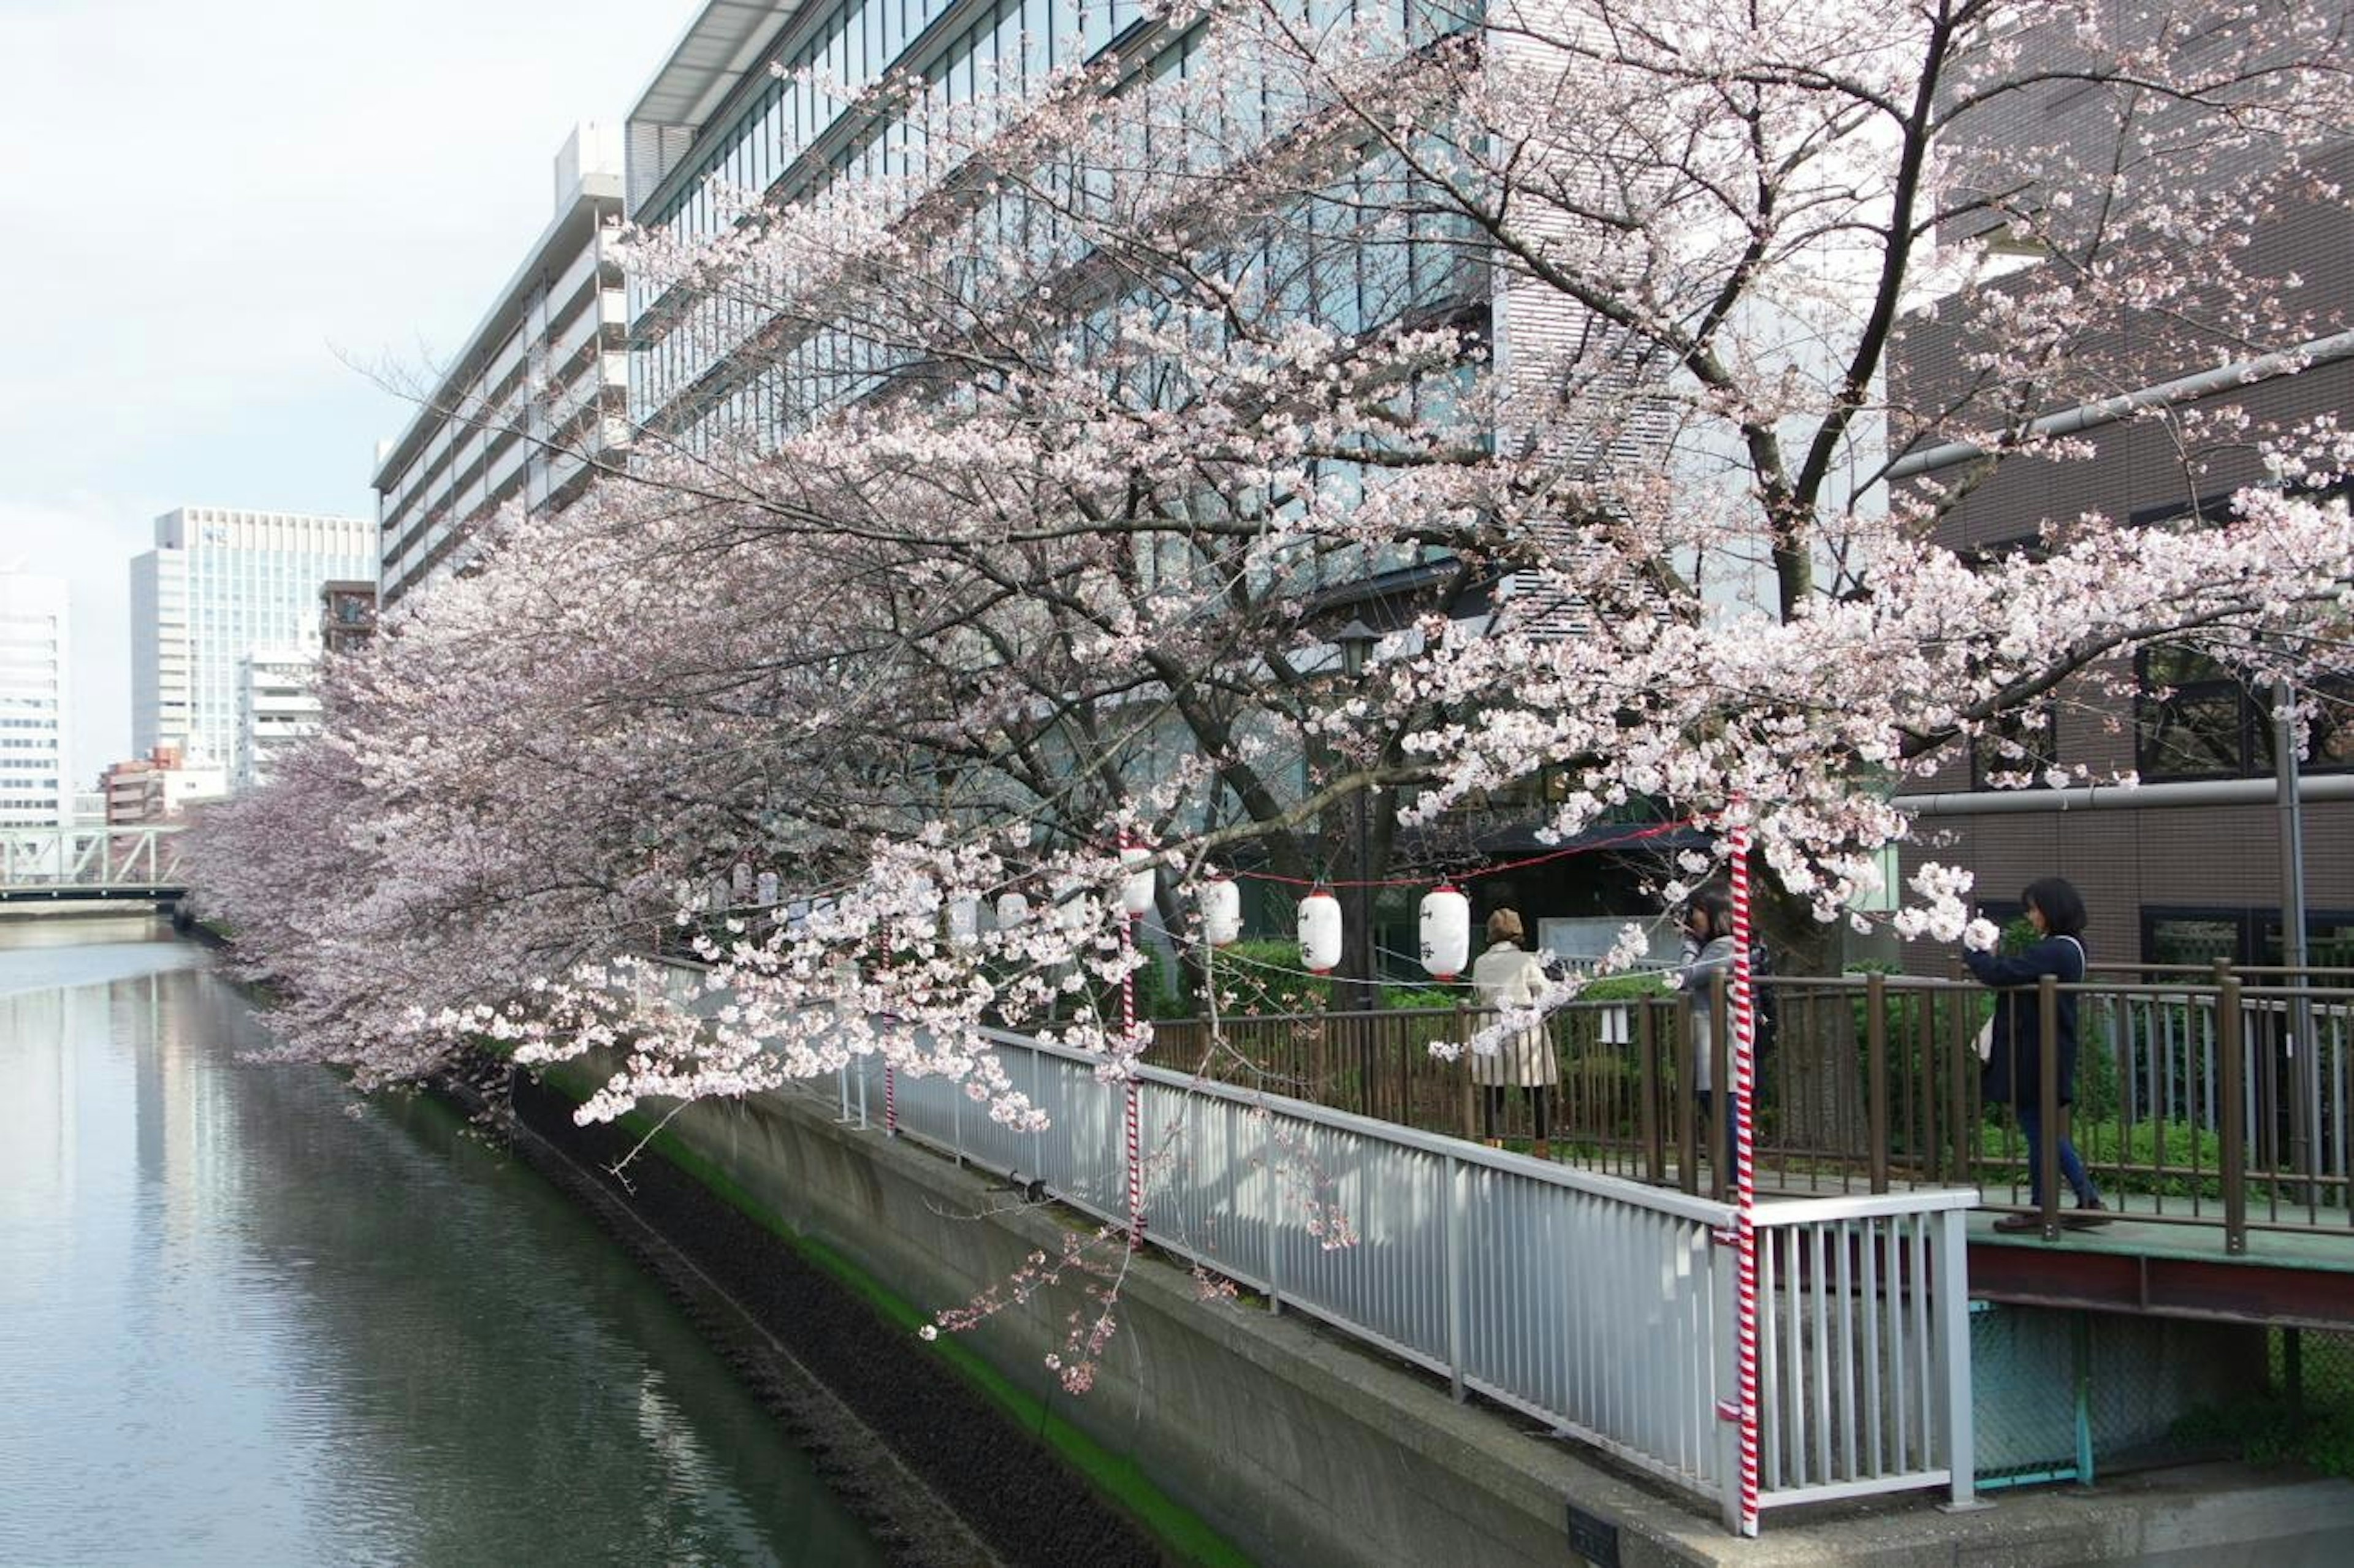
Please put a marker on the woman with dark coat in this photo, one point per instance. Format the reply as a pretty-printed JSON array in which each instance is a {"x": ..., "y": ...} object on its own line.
[{"x": 2014, "y": 1070}]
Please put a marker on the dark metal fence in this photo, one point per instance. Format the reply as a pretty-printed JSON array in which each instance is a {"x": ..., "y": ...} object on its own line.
[{"x": 2214, "y": 1097}]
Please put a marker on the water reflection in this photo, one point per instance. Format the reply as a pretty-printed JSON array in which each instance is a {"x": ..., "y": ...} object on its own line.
[{"x": 238, "y": 1325}]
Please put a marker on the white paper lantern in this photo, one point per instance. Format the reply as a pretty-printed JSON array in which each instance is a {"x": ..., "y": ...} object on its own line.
[
  {"x": 964, "y": 920},
  {"x": 1012, "y": 909},
  {"x": 1320, "y": 932},
  {"x": 767, "y": 888},
  {"x": 1446, "y": 932},
  {"x": 1136, "y": 891},
  {"x": 1221, "y": 911}
]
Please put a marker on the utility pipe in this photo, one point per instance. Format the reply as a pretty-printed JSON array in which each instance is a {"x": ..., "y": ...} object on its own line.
[
  {"x": 2119, "y": 797},
  {"x": 2109, "y": 410}
]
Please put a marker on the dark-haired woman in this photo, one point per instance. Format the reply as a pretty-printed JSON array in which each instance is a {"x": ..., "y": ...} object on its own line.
[
  {"x": 2014, "y": 1070},
  {"x": 1707, "y": 952}
]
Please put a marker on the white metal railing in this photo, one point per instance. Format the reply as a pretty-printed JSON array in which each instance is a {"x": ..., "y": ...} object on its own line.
[
  {"x": 54, "y": 860},
  {"x": 1599, "y": 1305}
]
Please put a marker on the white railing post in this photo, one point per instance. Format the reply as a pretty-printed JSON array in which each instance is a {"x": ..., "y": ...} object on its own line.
[
  {"x": 1454, "y": 1218},
  {"x": 1724, "y": 1270},
  {"x": 1952, "y": 1306}
]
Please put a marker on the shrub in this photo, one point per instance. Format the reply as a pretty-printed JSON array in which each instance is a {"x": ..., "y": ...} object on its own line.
[{"x": 1262, "y": 979}]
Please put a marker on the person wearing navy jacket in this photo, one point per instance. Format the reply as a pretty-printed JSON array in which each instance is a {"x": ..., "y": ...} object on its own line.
[{"x": 2014, "y": 1070}]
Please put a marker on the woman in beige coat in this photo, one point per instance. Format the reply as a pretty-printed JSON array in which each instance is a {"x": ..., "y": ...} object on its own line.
[{"x": 1509, "y": 976}]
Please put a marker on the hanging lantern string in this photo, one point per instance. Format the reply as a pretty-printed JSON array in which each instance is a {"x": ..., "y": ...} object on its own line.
[{"x": 1635, "y": 836}]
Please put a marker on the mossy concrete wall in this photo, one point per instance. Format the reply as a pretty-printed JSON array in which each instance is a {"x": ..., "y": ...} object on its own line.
[
  {"x": 1305, "y": 1450},
  {"x": 1302, "y": 1449}
]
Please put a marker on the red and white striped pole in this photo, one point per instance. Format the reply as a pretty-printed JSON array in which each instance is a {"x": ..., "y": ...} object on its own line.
[
  {"x": 890, "y": 1100},
  {"x": 1132, "y": 1109},
  {"x": 1744, "y": 1179}
]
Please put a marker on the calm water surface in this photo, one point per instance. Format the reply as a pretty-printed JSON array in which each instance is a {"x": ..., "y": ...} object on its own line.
[{"x": 238, "y": 1325}]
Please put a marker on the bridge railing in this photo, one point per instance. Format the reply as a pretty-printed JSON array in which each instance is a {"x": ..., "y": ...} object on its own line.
[
  {"x": 1603, "y": 1306},
  {"x": 2205, "y": 1098},
  {"x": 96, "y": 859}
]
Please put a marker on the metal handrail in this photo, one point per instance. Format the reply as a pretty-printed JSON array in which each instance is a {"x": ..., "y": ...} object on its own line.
[{"x": 1874, "y": 1084}]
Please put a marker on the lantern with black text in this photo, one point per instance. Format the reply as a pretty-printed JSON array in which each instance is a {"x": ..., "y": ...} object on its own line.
[
  {"x": 1320, "y": 932},
  {"x": 1446, "y": 932},
  {"x": 1221, "y": 911}
]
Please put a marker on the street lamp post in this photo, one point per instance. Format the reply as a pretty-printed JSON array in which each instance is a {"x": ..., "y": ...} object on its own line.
[{"x": 1362, "y": 988}]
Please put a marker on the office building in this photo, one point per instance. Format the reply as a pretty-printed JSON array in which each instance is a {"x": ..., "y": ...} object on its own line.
[
  {"x": 531, "y": 399},
  {"x": 219, "y": 584},
  {"x": 34, "y": 649}
]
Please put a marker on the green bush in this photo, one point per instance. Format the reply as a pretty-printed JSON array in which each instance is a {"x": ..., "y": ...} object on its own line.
[
  {"x": 1421, "y": 998},
  {"x": 2122, "y": 1159},
  {"x": 1625, "y": 987},
  {"x": 1262, "y": 979}
]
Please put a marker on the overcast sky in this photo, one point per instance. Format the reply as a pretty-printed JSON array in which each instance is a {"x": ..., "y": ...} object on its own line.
[{"x": 220, "y": 222}]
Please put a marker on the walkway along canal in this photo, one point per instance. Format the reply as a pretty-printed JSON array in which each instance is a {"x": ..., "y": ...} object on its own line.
[{"x": 245, "y": 1318}]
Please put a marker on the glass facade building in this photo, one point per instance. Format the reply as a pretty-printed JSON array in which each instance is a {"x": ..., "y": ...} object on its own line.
[{"x": 219, "y": 584}]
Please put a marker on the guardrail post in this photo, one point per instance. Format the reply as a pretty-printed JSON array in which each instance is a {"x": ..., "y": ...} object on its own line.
[
  {"x": 1875, "y": 1059},
  {"x": 1471, "y": 1093},
  {"x": 1270, "y": 1205},
  {"x": 1687, "y": 1149},
  {"x": 2046, "y": 1154},
  {"x": 1648, "y": 1083},
  {"x": 1724, "y": 1262},
  {"x": 1953, "y": 1306},
  {"x": 2234, "y": 1114},
  {"x": 1959, "y": 1058},
  {"x": 1720, "y": 1074},
  {"x": 1456, "y": 1218}
]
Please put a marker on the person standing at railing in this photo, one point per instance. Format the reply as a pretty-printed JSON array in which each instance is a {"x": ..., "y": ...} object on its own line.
[
  {"x": 2014, "y": 1068},
  {"x": 1506, "y": 977},
  {"x": 1708, "y": 953}
]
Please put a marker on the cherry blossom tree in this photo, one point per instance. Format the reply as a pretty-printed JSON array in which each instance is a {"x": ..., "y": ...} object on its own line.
[{"x": 1052, "y": 439}]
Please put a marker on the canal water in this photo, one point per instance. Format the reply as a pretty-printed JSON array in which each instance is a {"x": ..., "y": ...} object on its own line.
[{"x": 248, "y": 1319}]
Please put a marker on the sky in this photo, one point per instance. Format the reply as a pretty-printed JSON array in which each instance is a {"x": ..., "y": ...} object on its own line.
[{"x": 230, "y": 230}]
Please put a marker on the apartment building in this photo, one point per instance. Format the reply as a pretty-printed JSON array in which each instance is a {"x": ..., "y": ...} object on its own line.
[
  {"x": 277, "y": 708},
  {"x": 158, "y": 787},
  {"x": 531, "y": 400}
]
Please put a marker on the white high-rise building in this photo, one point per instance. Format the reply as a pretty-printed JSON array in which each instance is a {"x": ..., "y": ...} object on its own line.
[
  {"x": 34, "y": 782},
  {"x": 277, "y": 705},
  {"x": 219, "y": 584}
]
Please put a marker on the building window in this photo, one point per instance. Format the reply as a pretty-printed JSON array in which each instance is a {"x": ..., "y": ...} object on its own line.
[
  {"x": 2196, "y": 719},
  {"x": 2019, "y": 746},
  {"x": 2243, "y": 936}
]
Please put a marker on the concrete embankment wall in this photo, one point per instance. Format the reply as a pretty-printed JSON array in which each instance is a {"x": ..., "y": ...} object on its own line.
[
  {"x": 1298, "y": 1448},
  {"x": 1302, "y": 1449}
]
